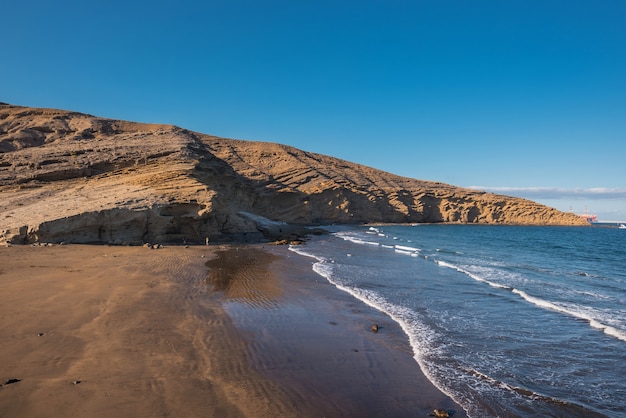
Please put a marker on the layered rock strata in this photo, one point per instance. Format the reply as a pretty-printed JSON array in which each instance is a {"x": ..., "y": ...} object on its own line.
[{"x": 72, "y": 177}]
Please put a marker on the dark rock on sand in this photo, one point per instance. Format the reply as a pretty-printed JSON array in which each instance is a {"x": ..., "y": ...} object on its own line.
[{"x": 11, "y": 381}]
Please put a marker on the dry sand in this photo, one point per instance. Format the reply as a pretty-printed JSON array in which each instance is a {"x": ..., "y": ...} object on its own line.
[{"x": 99, "y": 331}]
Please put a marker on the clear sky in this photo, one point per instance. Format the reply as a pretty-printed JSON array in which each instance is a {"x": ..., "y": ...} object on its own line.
[{"x": 525, "y": 98}]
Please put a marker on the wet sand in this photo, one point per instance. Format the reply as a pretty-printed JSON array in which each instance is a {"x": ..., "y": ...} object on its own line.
[{"x": 124, "y": 331}]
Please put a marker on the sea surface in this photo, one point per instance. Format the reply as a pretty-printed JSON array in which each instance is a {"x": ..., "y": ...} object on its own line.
[{"x": 507, "y": 320}]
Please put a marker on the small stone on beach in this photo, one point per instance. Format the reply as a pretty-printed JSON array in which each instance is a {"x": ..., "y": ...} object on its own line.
[
  {"x": 11, "y": 381},
  {"x": 375, "y": 328}
]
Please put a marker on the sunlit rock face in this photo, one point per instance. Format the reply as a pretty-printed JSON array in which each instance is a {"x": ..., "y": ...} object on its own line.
[{"x": 72, "y": 177}]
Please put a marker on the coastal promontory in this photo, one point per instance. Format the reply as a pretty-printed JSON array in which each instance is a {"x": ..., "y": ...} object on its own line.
[{"x": 71, "y": 177}]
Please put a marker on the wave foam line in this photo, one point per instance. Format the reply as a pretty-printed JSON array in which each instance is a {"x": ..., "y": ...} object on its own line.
[
  {"x": 407, "y": 248},
  {"x": 594, "y": 323},
  {"x": 298, "y": 250},
  {"x": 403, "y": 252},
  {"x": 472, "y": 275},
  {"x": 356, "y": 240},
  {"x": 511, "y": 388},
  {"x": 404, "y": 317}
]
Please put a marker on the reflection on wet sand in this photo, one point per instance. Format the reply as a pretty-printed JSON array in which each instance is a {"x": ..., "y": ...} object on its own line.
[{"x": 243, "y": 275}]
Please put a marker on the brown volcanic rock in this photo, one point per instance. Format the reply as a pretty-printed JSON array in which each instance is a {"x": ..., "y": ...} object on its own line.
[{"x": 67, "y": 176}]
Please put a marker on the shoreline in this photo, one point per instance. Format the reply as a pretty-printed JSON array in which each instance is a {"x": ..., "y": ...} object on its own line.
[{"x": 157, "y": 332}]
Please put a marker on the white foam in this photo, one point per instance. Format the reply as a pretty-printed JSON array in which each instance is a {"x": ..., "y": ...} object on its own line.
[
  {"x": 595, "y": 295},
  {"x": 577, "y": 312},
  {"x": 397, "y": 251},
  {"x": 299, "y": 249},
  {"x": 324, "y": 270},
  {"x": 407, "y": 248},
  {"x": 421, "y": 337},
  {"x": 614, "y": 332},
  {"x": 472, "y": 275},
  {"x": 355, "y": 240}
]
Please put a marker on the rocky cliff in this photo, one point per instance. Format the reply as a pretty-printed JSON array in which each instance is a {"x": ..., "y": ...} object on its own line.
[{"x": 68, "y": 176}]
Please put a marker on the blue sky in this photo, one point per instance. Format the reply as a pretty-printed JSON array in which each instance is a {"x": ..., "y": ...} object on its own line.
[{"x": 526, "y": 98}]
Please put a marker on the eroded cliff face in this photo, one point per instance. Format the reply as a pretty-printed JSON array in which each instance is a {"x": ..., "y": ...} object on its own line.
[{"x": 67, "y": 176}]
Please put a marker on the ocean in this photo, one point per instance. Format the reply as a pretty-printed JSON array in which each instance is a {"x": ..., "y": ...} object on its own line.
[{"x": 507, "y": 320}]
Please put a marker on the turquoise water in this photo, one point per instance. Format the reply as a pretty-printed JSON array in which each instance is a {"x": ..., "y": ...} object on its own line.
[{"x": 507, "y": 320}]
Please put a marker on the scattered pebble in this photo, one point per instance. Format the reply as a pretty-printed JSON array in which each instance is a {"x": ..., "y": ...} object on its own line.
[
  {"x": 11, "y": 381},
  {"x": 40, "y": 334},
  {"x": 76, "y": 382},
  {"x": 375, "y": 328}
]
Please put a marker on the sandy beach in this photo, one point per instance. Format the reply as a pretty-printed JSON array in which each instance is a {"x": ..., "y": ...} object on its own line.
[{"x": 206, "y": 331}]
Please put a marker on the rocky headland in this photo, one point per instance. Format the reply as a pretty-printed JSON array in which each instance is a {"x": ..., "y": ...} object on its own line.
[{"x": 75, "y": 178}]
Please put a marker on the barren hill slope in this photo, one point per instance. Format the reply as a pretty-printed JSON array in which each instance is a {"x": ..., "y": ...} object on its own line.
[{"x": 67, "y": 176}]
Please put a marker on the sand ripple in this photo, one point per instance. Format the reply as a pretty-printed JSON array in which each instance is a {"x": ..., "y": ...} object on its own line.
[{"x": 244, "y": 275}]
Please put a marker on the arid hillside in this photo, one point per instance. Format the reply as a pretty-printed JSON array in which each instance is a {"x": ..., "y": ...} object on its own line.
[{"x": 71, "y": 177}]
